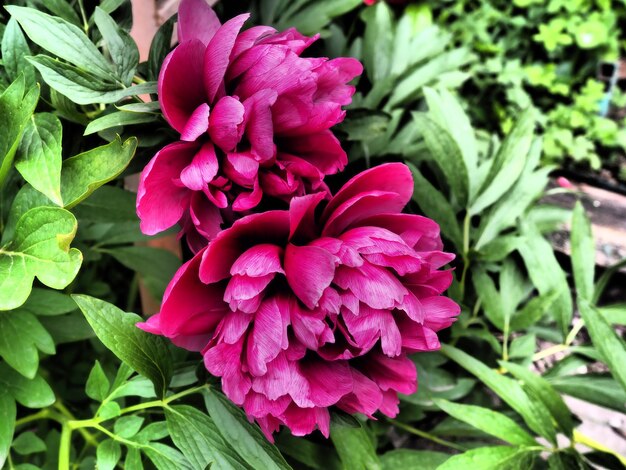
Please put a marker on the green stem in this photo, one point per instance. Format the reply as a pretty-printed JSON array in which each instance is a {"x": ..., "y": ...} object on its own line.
[
  {"x": 550, "y": 351},
  {"x": 65, "y": 447},
  {"x": 466, "y": 261},
  {"x": 580, "y": 438},
  {"x": 426, "y": 435}
]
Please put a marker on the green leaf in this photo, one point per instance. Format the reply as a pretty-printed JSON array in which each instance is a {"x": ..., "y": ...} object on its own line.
[
  {"x": 523, "y": 346},
  {"x": 166, "y": 458},
  {"x": 490, "y": 458},
  {"x": 120, "y": 118},
  {"x": 39, "y": 155},
  {"x": 46, "y": 302},
  {"x": 583, "y": 253},
  {"x": 541, "y": 389},
  {"x": 108, "y": 204},
  {"x": 80, "y": 86},
  {"x": 196, "y": 435},
  {"x": 62, "y": 39},
  {"x": 316, "y": 15},
  {"x": 491, "y": 422},
  {"x": 153, "y": 432},
  {"x": 446, "y": 154},
  {"x": 7, "y": 424},
  {"x": 436, "y": 206},
  {"x": 121, "y": 46},
  {"x": 32, "y": 393},
  {"x": 252, "y": 445},
  {"x": 508, "y": 163},
  {"x": 491, "y": 300},
  {"x": 408, "y": 458},
  {"x": 127, "y": 426},
  {"x": 60, "y": 8},
  {"x": 28, "y": 443},
  {"x": 598, "y": 389},
  {"x": 21, "y": 335},
  {"x": 534, "y": 413},
  {"x": 605, "y": 340},
  {"x": 14, "y": 51},
  {"x": 67, "y": 328},
  {"x": 41, "y": 247},
  {"x": 316, "y": 456},
  {"x": 84, "y": 173},
  {"x": 133, "y": 459},
  {"x": 160, "y": 47},
  {"x": 533, "y": 311},
  {"x": 108, "y": 454},
  {"x": 16, "y": 107},
  {"x": 109, "y": 410},
  {"x": 147, "y": 354},
  {"x": 378, "y": 41},
  {"x": 97, "y": 386},
  {"x": 157, "y": 266},
  {"x": 355, "y": 448}
]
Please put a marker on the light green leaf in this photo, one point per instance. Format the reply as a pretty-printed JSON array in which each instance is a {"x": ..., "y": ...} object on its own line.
[
  {"x": 446, "y": 154},
  {"x": 84, "y": 173},
  {"x": 378, "y": 41},
  {"x": 120, "y": 118},
  {"x": 62, "y": 39},
  {"x": 108, "y": 454},
  {"x": 41, "y": 248},
  {"x": 436, "y": 206},
  {"x": 583, "y": 253},
  {"x": 355, "y": 448},
  {"x": 146, "y": 353},
  {"x": 7, "y": 424},
  {"x": 252, "y": 445},
  {"x": 14, "y": 51},
  {"x": 491, "y": 422},
  {"x": 534, "y": 413},
  {"x": 28, "y": 443},
  {"x": 166, "y": 458},
  {"x": 127, "y": 426},
  {"x": 133, "y": 459},
  {"x": 109, "y": 410},
  {"x": 316, "y": 15},
  {"x": 97, "y": 386},
  {"x": 536, "y": 308},
  {"x": 541, "y": 389},
  {"x": 523, "y": 346},
  {"x": 121, "y": 46},
  {"x": 605, "y": 340},
  {"x": 490, "y": 458},
  {"x": 21, "y": 335},
  {"x": 408, "y": 458},
  {"x": 491, "y": 300},
  {"x": 32, "y": 393},
  {"x": 60, "y": 8},
  {"x": 39, "y": 155},
  {"x": 196, "y": 435},
  {"x": 599, "y": 389},
  {"x": 153, "y": 432}
]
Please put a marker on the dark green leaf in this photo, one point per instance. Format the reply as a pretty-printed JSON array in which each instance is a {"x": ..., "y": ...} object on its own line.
[
  {"x": 28, "y": 443},
  {"x": 166, "y": 458},
  {"x": 412, "y": 459},
  {"x": 195, "y": 434},
  {"x": 160, "y": 47},
  {"x": 120, "y": 118},
  {"x": 84, "y": 173},
  {"x": 121, "y": 46},
  {"x": 316, "y": 456},
  {"x": 97, "y": 386},
  {"x": 533, "y": 311},
  {"x": 488, "y": 421},
  {"x": 46, "y": 302},
  {"x": 316, "y": 15},
  {"x": 490, "y": 458},
  {"x": 32, "y": 393},
  {"x": 378, "y": 41},
  {"x": 14, "y": 52},
  {"x": 60, "y": 8},
  {"x": 490, "y": 298},
  {"x": 252, "y": 445},
  {"x": 355, "y": 448},
  {"x": 108, "y": 204},
  {"x": 41, "y": 247},
  {"x": 7, "y": 423},
  {"x": 583, "y": 253},
  {"x": 39, "y": 156},
  {"x": 146, "y": 353},
  {"x": 67, "y": 328}
]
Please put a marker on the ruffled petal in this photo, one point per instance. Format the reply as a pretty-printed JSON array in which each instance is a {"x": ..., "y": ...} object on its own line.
[
  {"x": 226, "y": 122},
  {"x": 196, "y": 20},
  {"x": 309, "y": 271}
]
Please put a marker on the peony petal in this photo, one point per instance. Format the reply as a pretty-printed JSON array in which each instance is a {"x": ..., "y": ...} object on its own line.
[
  {"x": 160, "y": 202},
  {"x": 365, "y": 398},
  {"x": 259, "y": 126},
  {"x": 440, "y": 312},
  {"x": 180, "y": 87},
  {"x": 241, "y": 168},
  {"x": 265, "y": 341},
  {"x": 196, "y": 20},
  {"x": 225, "y": 123},
  {"x": 247, "y": 200},
  {"x": 202, "y": 168},
  {"x": 206, "y": 218},
  {"x": 309, "y": 271},
  {"x": 259, "y": 260},
  {"x": 302, "y": 223},
  {"x": 328, "y": 381},
  {"x": 370, "y": 325},
  {"x": 398, "y": 373},
  {"x": 197, "y": 124},
  {"x": 375, "y": 286},
  {"x": 242, "y": 288},
  {"x": 217, "y": 54}
]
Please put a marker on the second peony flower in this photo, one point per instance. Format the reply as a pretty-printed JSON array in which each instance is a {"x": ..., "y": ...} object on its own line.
[
  {"x": 254, "y": 118},
  {"x": 317, "y": 306}
]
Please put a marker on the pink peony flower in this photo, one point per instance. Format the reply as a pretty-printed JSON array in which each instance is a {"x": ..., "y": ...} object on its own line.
[
  {"x": 254, "y": 120},
  {"x": 299, "y": 310}
]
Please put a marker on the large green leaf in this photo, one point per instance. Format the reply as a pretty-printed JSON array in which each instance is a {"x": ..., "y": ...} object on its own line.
[
  {"x": 16, "y": 107},
  {"x": 97, "y": 386},
  {"x": 84, "y": 173},
  {"x": 108, "y": 454},
  {"x": 14, "y": 51},
  {"x": 7, "y": 424},
  {"x": 196, "y": 435},
  {"x": 144, "y": 352},
  {"x": 116, "y": 119},
  {"x": 62, "y": 39},
  {"x": 542, "y": 390},
  {"x": 121, "y": 46},
  {"x": 606, "y": 341},
  {"x": 535, "y": 414},
  {"x": 409, "y": 459},
  {"x": 21, "y": 335},
  {"x": 251, "y": 444},
  {"x": 316, "y": 456},
  {"x": 48, "y": 303},
  {"x": 378, "y": 41},
  {"x": 312, "y": 19},
  {"x": 39, "y": 155},
  {"x": 165, "y": 457},
  {"x": 446, "y": 154},
  {"x": 599, "y": 389},
  {"x": 355, "y": 448},
  {"x": 31, "y": 393},
  {"x": 489, "y": 421},
  {"x": 41, "y": 248},
  {"x": 490, "y": 298},
  {"x": 583, "y": 253},
  {"x": 490, "y": 458}
]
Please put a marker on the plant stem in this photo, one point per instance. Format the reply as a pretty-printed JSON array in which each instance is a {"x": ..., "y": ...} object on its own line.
[
  {"x": 466, "y": 261},
  {"x": 426, "y": 435},
  {"x": 65, "y": 447},
  {"x": 580, "y": 438},
  {"x": 550, "y": 351}
]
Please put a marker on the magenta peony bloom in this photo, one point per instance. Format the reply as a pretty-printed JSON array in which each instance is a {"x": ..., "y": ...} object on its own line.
[
  {"x": 254, "y": 120},
  {"x": 299, "y": 310}
]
